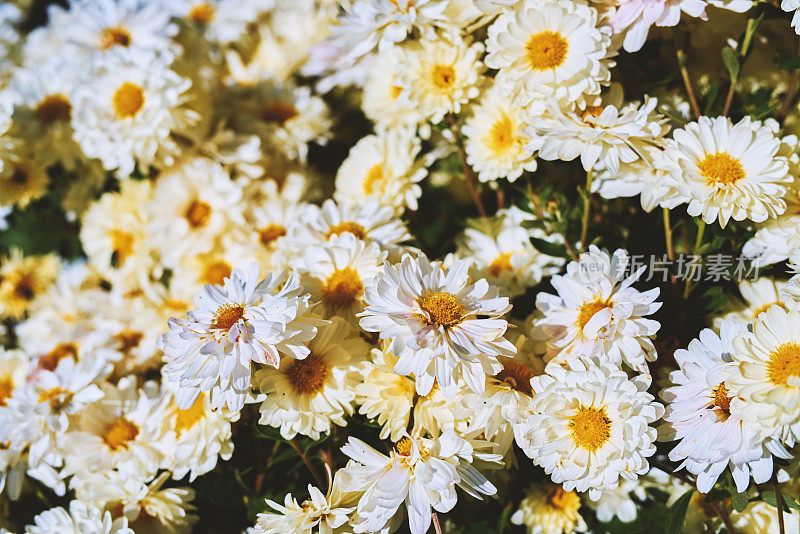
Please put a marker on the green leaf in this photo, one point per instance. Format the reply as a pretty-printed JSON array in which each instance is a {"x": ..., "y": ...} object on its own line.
[
  {"x": 769, "y": 498},
  {"x": 731, "y": 63},
  {"x": 790, "y": 502},
  {"x": 738, "y": 500},
  {"x": 787, "y": 60},
  {"x": 551, "y": 249},
  {"x": 677, "y": 513},
  {"x": 715, "y": 495}
]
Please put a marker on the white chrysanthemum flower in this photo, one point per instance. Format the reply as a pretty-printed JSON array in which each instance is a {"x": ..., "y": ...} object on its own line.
[
  {"x": 606, "y": 135},
  {"x": 442, "y": 327},
  {"x": 384, "y": 101},
  {"x": 318, "y": 513},
  {"x": 764, "y": 376},
  {"x": 242, "y": 321},
  {"x": 548, "y": 509},
  {"x": 549, "y": 50},
  {"x": 726, "y": 170},
  {"x": 194, "y": 438},
  {"x": 497, "y": 146},
  {"x": 638, "y": 178},
  {"x": 501, "y": 251},
  {"x": 114, "y": 234},
  {"x": 598, "y": 314},
  {"x": 758, "y": 295},
  {"x": 273, "y": 219},
  {"x": 774, "y": 240},
  {"x": 308, "y": 396},
  {"x": 370, "y": 222},
  {"x": 140, "y": 26},
  {"x": 619, "y": 503},
  {"x": 192, "y": 203},
  {"x": 120, "y": 431},
  {"x": 591, "y": 425},
  {"x": 382, "y": 167},
  {"x": 420, "y": 472},
  {"x": 698, "y": 414},
  {"x": 83, "y": 518},
  {"x": 635, "y": 17},
  {"x": 127, "y": 113},
  {"x": 440, "y": 76},
  {"x": 223, "y": 21},
  {"x": 383, "y": 23},
  {"x": 147, "y": 506},
  {"x": 337, "y": 272}
]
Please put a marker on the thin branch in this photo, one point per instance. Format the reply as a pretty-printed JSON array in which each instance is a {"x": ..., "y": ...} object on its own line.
[
  {"x": 779, "y": 502},
  {"x": 469, "y": 174},
  {"x": 311, "y": 469},
  {"x": 687, "y": 82},
  {"x": 723, "y": 513},
  {"x": 501, "y": 198},
  {"x": 701, "y": 226},
  {"x": 587, "y": 205},
  {"x": 668, "y": 235},
  {"x": 729, "y": 99},
  {"x": 436, "y": 526}
]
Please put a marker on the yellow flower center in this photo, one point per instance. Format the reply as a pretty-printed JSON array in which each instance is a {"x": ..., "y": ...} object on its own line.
[
  {"x": 345, "y": 228},
  {"x": 501, "y": 264},
  {"x": 443, "y": 308},
  {"x": 404, "y": 446},
  {"x": 227, "y": 316},
  {"x": 546, "y": 50},
  {"x": 395, "y": 91},
  {"x": 50, "y": 360},
  {"x": 53, "y": 108},
  {"x": 121, "y": 245},
  {"x": 721, "y": 168},
  {"x": 784, "y": 362},
  {"x": 279, "y": 112},
  {"x": 591, "y": 428},
  {"x": 517, "y": 375},
  {"x": 186, "y": 419},
  {"x": 202, "y": 13},
  {"x": 120, "y": 433},
  {"x": 6, "y": 389},
  {"x": 57, "y": 397},
  {"x": 128, "y": 100},
  {"x": 342, "y": 288},
  {"x": 592, "y": 112},
  {"x": 117, "y": 36},
  {"x": 721, "y": 399},
  {"x": 562, "y": 500},
  {"x": 308, "y": 376},
  {"x": 374, "y": 177},
  {"x": 197, "y": 214},
  {"x": 765, "y": 307},
  {"x": 216, "y": 272},
  {"x": 128, "y": 340},
  {"x": 271, "y": 233},
  {"x": 500, "y": 138},
  {"x": 443, "y": 76},
  {"x": 589, "y": 309}
]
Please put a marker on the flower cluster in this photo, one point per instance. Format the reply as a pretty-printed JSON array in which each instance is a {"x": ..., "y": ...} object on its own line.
[{"x": 245, "y": 244}]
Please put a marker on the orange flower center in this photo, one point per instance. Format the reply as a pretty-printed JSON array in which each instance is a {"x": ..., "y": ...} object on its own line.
[
  {"x": 347, "y": 227},
  {"x": 228, "y": 315},
  {"x": 216, "y": 272},
  {"x": 128, "y": 100},
  {"x": 120, "y": 434},
  {"x": 202, "y": 13},
  {"x": 721, "y": 168},
  {"x": 308, "y": 376},
  {"x": 271, "y": 233},
  {"x": 444, "y": 76},
  {"x": 117, "y": 36},
  {"x": 546, "y": 50},
  {"x": 50, "y": 360},
  {"x": 589, "y": 309},
  {"x": 501, "y": 264},
  {"x": 342, "y": 288}
]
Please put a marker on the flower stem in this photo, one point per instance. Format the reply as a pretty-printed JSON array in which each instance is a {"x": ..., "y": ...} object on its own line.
[
  {"x": 701, "y": 226},
  {"x": 469, "y": 174},
  {"x": 436, "y": 526},
  {"x": 668, "y": 234},
  {"x": 309, "y": 465},
  {"x": 587, "y": 205},
  {"x": 779, "y": 503},
  {"x": 687, "y": 82}
]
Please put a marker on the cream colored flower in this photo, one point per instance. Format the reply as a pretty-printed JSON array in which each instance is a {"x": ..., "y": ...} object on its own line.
[
  {"x": 548, "y": 509},
  {"x": 23, "y": 279}
]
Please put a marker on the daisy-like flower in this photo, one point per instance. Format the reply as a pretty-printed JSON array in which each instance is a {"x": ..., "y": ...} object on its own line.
[
  {"x": 726, "y": 170},
  {"x": 319, "y": 513},
  {"x": 757, "y": 296},
  {"x": 22, "y": 180},
  {"x": 764, "y": 379},
  {"x": 438, "y": 77},
  {"x": 272, "y": 220},
  {"x": 635, "y": 17},
  {"x": 501, "y": 251},
  {"x": 597, "y": 313},
  {"x": 607, "y": 134},
  {"x": 638, "y": 178},
  {"x": 382, "y": 23},
  {"x": 497, "y": 146},
  {"x": 127, "y": 113},
  {"x": 420, "y": 472},
  {"x": 83, "y": 518},
  {"x": 120, "y": 431},
  {"x": 384, "y": 101},
  {"x": 442, "y": 327},
  {"x": 307, "y": 396},
  {"x": 790, "y": 292},
  {"x": 234, "y": 324},
  {"x": 549, "y": 50},
  {"x": 711, "y": 436},
  {"x": 382, "y": 167},
  {"x": 194, "y": 438},
  {"x": 23, "y": 279},
  {"x": 147, "y": 507},
  {"x": 591, "y": 425},
  {"x": 548, "y": 509},
  {"x": 223, "y": 21},
  {"x": 100, "y": 25},
  {"x": 336, "y": 273},
  {"x": 371, "y": 222}
]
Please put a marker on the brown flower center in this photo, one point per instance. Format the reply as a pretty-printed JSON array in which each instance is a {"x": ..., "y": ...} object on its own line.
[
  {"x": 50, "y": 360},
  {"x": 117, "y": 36},
  {"x": 227, "y": 316},
  {"x": 517, "y": 375},
  {"x": 279, "y": 112},
  {"x": 197, "y": 214},
  {"x": 347, "y": 227},
  {"x": 53, "y": 108},
  {"x": 308, "y": 376},
  {"x": 271, "y": 233}
]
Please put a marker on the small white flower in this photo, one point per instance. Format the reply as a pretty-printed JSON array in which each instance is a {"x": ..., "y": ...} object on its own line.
[
  {"x": 635, "y": 17},
  {"x": 441, "y": 326},
  {"x": 83, "y": 518}
]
